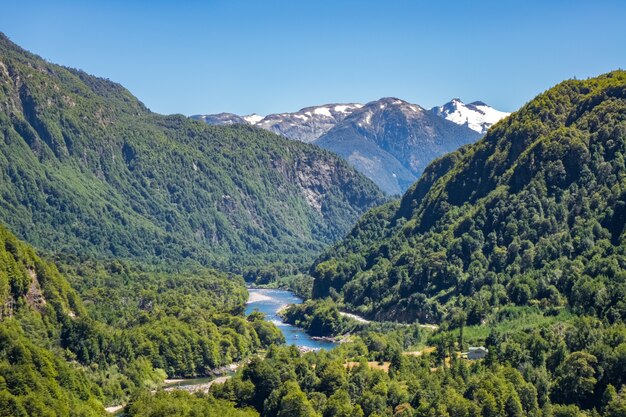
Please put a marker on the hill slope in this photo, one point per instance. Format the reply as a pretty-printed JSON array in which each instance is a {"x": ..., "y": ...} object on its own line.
[
  {"x": 35, "y": 302},
  {"x": 533, "y": 213},
  {"x": 85, "y": 167}
]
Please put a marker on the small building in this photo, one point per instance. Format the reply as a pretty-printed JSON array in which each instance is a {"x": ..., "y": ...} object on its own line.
[{"x": 478, "y": 352}]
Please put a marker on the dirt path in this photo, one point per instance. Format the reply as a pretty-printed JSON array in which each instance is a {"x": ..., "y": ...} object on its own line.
[
  {"x": 114, "y": 409},
  {"x": 204, "y": 387},
  {"x": 355, "y": 317},
  {"x": 365, "y": 321},
  {"x": 429, "y": 349}
]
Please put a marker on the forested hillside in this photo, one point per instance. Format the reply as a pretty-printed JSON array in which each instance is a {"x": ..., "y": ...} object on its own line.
[
  {"x": 61, "y": 356},
  {"x": 86, "y": 168},
  {"x": 533, "y": 214}
]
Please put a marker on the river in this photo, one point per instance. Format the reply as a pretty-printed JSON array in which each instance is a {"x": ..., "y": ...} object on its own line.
[{"x": 269, "y": 302}]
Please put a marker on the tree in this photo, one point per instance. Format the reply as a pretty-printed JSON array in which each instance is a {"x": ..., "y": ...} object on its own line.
[
  {"x": 10, "y": 406},
  {"x": 332, "y": 377},
  {"x": 265, "y": 379},
  {"x": 487, "y": 403},
  {"x": 339, "y": 405},
  {"x": 295, "y": 403},
  {"x": 575, "y": 379},
  {"x": 616, "y": 406},
  {"x": 513, "y": 406}
]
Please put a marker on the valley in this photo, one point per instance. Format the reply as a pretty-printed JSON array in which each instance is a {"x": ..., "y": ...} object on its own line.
[{"x": 344, "y": 260}]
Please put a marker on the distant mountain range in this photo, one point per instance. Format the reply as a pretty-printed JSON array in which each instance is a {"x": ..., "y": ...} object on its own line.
[{"x": 389, "y": 140}]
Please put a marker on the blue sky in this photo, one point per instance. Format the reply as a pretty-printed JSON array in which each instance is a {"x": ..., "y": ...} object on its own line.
[{"x": 276, "y": 56}]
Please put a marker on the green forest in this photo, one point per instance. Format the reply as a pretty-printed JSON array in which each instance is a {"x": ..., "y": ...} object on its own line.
[{"x": 59, "y": 351}]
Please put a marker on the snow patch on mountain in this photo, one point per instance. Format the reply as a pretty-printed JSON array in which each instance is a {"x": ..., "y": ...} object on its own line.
[
  {"x": 477, "y": 115},
  {"x": 323, "y": 111},
  {"x": 308, "y": 123},
  {"x": 253, "y": 118},
  {"x": 347, "y": 108}
]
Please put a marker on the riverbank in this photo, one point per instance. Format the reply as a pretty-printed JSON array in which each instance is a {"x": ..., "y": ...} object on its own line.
[
  {"x": 196, "y": 384},
  {"x": 256, "y": 297},
  {"x": 300, "y": 285}
]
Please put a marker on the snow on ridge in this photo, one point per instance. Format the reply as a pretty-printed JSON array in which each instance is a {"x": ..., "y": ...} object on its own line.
[
  {"x": 323, "y": 111},
  {"x": 345, "y": 108},
  {"x": 253, "y": 118}
]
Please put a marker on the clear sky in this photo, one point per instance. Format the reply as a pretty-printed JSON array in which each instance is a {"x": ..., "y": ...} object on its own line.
[{"x": 274, "y": 56}]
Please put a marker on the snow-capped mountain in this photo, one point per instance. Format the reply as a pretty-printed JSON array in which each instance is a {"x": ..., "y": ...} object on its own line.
[
  {"x": 309, "y": 123},
  {"x": 477, "y": 116},
  {"x": 391, "y": 141}
]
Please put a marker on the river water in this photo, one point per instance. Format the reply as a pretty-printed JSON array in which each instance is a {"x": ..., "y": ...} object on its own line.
[{"x": 269, "y": 302}]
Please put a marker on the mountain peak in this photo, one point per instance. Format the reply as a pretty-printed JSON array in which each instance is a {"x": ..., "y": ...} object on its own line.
[
  {"x": 391, "y": 141},
  {"x": 395, "y": 103}
]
